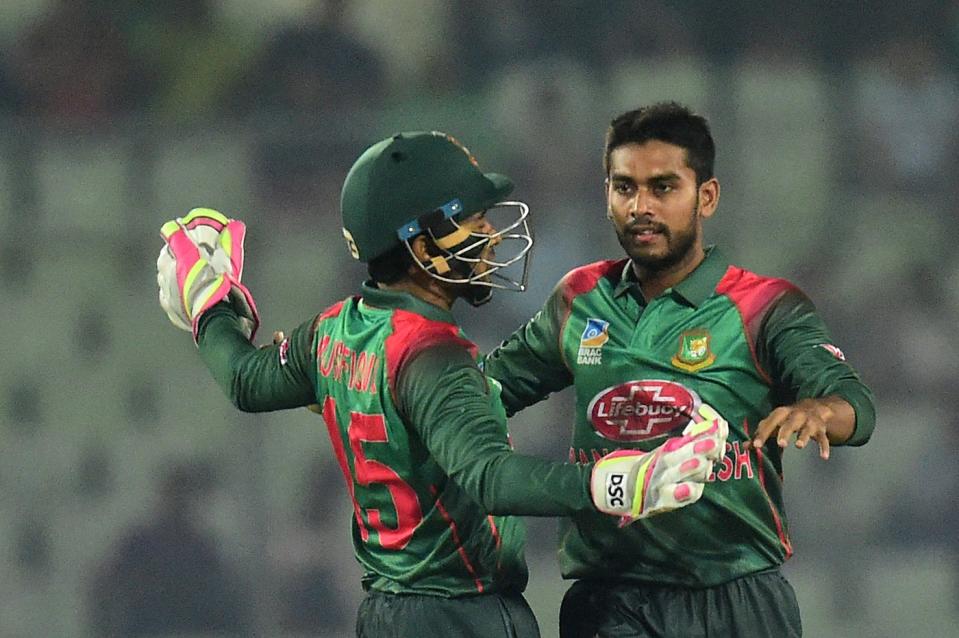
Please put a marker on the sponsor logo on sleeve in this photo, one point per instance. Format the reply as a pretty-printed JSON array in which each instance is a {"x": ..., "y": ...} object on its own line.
[
  {"x": 694, "y": 352},
  {"x": 640, "y": 410},
  {"x": 833, "y": 350},
  {"x": 595, "y": 335}
]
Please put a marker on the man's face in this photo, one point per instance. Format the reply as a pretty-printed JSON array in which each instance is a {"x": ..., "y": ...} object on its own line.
[
  {"x": 655, "y": 204},
  {"x": 478, "y": 223}
]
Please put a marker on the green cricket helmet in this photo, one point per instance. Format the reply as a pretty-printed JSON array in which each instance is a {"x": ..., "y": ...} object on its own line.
[{"x": 427, "y": 182}]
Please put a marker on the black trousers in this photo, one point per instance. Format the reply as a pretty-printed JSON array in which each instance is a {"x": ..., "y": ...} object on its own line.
[
  {"x": 414, "y": 616},
  {"x": 756, "y": 606}
]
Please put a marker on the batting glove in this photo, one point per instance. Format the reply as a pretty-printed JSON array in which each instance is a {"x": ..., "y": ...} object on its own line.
[
  {"x": 200, "y": 265},
  {"x": 633, "y": 484}
]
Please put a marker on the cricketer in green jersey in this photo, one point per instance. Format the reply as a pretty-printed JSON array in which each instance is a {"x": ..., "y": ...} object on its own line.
[
  {"x": 418, "y": 431},
  {"x": 643, "y": 340}
]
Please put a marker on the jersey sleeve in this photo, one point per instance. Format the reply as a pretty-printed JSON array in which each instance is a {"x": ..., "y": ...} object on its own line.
[
  {"x": 274, "y": 377},
  {"x": 795, "y": 348},
  {"x": 530, "y": 364},
  {"x": 445, "y": 397}
]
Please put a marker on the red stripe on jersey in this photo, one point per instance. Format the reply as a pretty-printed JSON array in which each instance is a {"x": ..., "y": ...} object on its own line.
[
  {"x": 585, "y": 278},
  {"x": 332, "y": 311},
  {"x": 497, "y": 539},
  {"x": 456, "y": 540},
  {"x": 413, "y": 333},
  {"x": 493, "y": 530},
  {"x": 577, "y": 282},
  {"x": 329, "y": 418},
  {"x": 783, "y": 537},
  {"x": 753, "y": 295}
]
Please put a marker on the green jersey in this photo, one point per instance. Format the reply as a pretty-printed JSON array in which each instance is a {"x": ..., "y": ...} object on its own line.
[
  {"x": 740, "y": 342},
  {"x": 418, "y": 432}
]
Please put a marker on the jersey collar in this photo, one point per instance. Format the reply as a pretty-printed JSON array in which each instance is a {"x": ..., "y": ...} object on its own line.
[
  {"x": 702, "y": 282},
  {"x": 695, "y": 288},
  {"x": 395, "y": 299}
]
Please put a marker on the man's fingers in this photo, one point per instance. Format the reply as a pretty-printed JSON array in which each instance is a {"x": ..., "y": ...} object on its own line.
[
  {"x": 278, "y": 337},
  {"x": 823, "y": 439},
  {"x": 767, "y": 426},
  {"x": 787, "y": 422},
  {"x": 803, "y": 438},
  {"x": 792, "y": 424}
]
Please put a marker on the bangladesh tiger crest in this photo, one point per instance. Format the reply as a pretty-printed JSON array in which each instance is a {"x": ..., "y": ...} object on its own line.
[
  {"x": 694, "y": 351},
  {"x": 595, "y": 335}
]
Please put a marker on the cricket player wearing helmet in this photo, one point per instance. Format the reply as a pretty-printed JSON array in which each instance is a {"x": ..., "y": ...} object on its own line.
[{"x": 418, "y": 431}]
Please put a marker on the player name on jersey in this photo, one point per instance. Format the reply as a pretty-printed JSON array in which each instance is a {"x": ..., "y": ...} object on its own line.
[{"x": 337, "y": 358}]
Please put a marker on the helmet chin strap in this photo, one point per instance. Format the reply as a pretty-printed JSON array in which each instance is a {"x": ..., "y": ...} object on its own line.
[{"x": 477, "y": 295}]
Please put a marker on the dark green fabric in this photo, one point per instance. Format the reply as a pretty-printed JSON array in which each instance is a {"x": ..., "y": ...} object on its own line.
[
  {"x": 632, "y": 388},
  {"x": 441, "y": 391},
  {"x": 757, "y": 606},
  {"x": 789, "y": 346},
  {"x": 411, "y": 616},
  {"x": 256, "y": 379},
  {"x": 418, "y": 430}
]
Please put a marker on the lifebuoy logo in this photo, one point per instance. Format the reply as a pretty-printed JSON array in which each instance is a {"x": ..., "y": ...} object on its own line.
[{"x": 644, "y": 409}]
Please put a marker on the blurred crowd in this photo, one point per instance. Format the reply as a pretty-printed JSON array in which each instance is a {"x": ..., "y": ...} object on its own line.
[
  {"x": 837, "y": 152},
  {"x": 100, "y": 60}
]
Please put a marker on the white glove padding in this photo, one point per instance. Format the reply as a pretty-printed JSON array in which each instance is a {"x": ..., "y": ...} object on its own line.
[
  {"x": 633, "y": 484},
  {"x": 201, "y": 265}
]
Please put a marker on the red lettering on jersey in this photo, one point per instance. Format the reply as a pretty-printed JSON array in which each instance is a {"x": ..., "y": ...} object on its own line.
[
  {"x": 361, "y": 372},
  {"x": 338, "y": 358},
  {"x": 726, "y": 467},
  {"x": 368, "y": 378},
  {"x": 357, "y": 371},
  {"x": 344, "y": 358},
  {"x": 372, "y": 374},
  {"x": 742, "y": 460},
  {"x": 324, "y": 349}
]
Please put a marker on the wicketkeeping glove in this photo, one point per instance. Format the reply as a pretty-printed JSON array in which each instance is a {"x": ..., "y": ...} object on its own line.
[
  {"x": 633, "y": 484},
  {"x": 201, "y": 265}
]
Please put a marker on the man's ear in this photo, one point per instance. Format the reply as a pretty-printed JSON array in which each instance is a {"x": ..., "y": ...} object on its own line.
[
  {"x": 418, "y": 247},
  {"x": 708, "y": 197}
]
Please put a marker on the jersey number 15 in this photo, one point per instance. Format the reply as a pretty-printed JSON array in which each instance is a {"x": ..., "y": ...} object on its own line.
[{"x": 371, "y": 428}]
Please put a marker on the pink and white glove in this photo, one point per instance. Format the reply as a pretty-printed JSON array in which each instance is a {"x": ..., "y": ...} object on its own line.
[
  {"x": 200, "y": 265},
  {"x": 633, "y": 484}
]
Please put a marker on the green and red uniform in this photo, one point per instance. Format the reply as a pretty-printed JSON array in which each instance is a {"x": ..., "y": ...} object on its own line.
[
  {"x": 419, "y": 434},
  {"x": 738, "y": 341}
]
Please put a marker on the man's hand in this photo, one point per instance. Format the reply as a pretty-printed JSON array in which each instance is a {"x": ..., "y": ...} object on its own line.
[
  {"x": 825, "y": 421},
  {"x": 201, "y": 265},
  {"x": 634, "y": 484}
]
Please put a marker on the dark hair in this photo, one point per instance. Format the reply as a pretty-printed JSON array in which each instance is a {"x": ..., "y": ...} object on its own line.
[
  {"x": 391, "y": 266},
  {"x": 668, "y": 122}
]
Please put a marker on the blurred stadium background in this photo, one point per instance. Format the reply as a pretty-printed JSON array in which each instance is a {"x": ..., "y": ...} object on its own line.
[{"x": 134, "y": 500}]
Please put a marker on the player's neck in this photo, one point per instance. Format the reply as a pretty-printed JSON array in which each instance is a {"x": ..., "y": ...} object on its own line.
[
  {"x": 429, "y": 290},
  {"x": 653, "y": 281}
]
